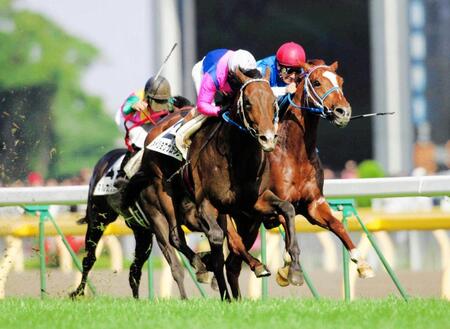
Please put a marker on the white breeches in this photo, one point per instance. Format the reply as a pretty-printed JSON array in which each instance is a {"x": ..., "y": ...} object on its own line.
[{"x": 197, "y": 74}]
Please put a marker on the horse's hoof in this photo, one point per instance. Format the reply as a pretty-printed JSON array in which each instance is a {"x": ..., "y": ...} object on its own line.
[
  {"x": 284, "y": 272},
  {"x": 203, "y": 277},
  {"x": 365, "y": 271},
  {"x": 282, "y": 282},
  {"x": 214, "y": 284},
  {"x": 75, "y": 294},
  {"x": 295, "y": 277},
  {"x": 261, "y": 271}
]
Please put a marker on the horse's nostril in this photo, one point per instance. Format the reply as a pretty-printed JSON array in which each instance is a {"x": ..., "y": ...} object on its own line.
[
  {"x": 263, "y": 138},
  {"x": 340, "y": 111}
]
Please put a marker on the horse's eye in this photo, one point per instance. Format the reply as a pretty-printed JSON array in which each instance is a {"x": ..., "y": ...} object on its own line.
[{"x": 316, "y": 83}]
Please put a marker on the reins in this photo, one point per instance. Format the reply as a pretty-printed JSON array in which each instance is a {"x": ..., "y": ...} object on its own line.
[
  {"x": 310, "y": 94},
  {"x": 241, "y": 113}
]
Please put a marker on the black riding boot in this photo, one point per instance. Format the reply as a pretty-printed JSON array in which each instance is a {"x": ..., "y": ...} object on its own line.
[{"x": 122, "y": 179}]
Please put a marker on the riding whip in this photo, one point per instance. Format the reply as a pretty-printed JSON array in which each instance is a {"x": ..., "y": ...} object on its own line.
[
  {"x": 370, "y": 115},
  {"x": 164, "y": 63}
]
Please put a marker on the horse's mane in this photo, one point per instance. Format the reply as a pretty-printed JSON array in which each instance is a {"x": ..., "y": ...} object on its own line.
[
  {"x": 235, "y": 84},
  {"x": 252, "y": 73},
  {"x": 181, "y": 101}
]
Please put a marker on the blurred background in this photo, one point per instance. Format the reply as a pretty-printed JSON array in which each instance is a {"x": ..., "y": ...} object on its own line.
[{"x": 67, "y": 66}]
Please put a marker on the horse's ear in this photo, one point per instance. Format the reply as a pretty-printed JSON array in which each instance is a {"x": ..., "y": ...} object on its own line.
[
  {"x": 240, "y": 76},
  {"x": 306, "y": 66},
  {"x": 267, "y": 74},
  {"x": 334, "y": 66},
  {"x": 316, "y": 62}
]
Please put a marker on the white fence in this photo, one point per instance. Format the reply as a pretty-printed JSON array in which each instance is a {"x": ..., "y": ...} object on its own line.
[
  {"x": 382, "y": 187},
  {"x": 333, "y": 188}
]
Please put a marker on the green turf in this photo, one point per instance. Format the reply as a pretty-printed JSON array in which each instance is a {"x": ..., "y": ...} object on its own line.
[{"x": 104, "y": 312}]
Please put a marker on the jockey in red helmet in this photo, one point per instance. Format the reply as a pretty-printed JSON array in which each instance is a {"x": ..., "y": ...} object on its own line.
[{"x": 284, "y": 66}]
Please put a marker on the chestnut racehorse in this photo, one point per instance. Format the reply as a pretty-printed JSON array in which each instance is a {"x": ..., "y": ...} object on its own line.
[{"x": 296, "y": 173}]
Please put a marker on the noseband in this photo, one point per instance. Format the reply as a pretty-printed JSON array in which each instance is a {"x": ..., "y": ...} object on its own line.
[
  {"x": 310, "y": 94},
  {"x": 241, "y": 112}
]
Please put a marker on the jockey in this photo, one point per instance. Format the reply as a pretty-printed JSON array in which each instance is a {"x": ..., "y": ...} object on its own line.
[
  {"x": 215, "y": 73},
  {"x": 284, "y": 66},
  {"x": 140, "y": 111}
]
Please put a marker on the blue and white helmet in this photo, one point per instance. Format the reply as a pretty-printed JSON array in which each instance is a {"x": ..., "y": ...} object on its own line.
[{"x": 242, "y": 59}]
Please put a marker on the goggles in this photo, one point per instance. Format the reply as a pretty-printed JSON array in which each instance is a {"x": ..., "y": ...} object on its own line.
[{"x": 289, "y": 70}]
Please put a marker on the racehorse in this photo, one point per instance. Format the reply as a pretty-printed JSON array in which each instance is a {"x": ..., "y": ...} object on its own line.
[
  {"x": 296, "y": 173},
  {"x": 228, "y": 172},
  {"x": 104, "y": 209}
]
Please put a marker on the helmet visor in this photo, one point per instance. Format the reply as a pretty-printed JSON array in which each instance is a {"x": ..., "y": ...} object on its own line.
[{"x": 158, "y": 104}]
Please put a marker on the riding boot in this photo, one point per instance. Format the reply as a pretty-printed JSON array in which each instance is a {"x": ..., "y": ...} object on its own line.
[{"x": 121, "y": 178}]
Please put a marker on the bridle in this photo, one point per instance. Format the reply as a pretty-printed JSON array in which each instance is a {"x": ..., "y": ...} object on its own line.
[
  {"x": 311, "y": 95},
  {"x": 241, "y": 113}
]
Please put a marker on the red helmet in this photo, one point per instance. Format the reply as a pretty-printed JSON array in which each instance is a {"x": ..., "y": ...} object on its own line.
[{"x": 291, "y": 54}]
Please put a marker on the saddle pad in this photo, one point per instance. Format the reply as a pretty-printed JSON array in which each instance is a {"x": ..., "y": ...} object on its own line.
[
  {"x": 105, "y": 186},
  {"x": 165, "y": 142}
]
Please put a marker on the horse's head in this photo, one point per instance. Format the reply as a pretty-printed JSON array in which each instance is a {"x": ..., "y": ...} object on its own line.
[
  {"x": 257, "y": 108},
  {"x": 322, "y": 87}
]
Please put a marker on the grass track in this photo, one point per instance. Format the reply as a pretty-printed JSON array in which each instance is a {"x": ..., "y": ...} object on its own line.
[{"x": 104, "y": 312}]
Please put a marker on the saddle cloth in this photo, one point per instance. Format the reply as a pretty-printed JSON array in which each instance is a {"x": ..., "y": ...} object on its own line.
[
  {"x": 165, "y": 142},
  {"x": 105, "y": 186}
]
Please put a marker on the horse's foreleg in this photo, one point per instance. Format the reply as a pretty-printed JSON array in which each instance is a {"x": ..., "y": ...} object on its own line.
[
  {"x": 94, "y": 232},
  {"x": 248, "y": 230},
  {"x": 237, "y": 246},
  {"x": 319, "y": 213},
  {"x": 217, "y": 226},
  {"x": 269, "y": 203},
  {"x": 142, "y": 252}
]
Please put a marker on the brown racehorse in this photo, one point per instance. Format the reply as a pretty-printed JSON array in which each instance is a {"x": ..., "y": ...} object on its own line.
[
  {"x": 296, "y": 173},
  {"x": 229, "y": 173},
  {"x": 104, "y": 209}
]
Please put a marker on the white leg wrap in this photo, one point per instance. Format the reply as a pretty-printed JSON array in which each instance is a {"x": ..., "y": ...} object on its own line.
[{"x": 354, "y": 255}]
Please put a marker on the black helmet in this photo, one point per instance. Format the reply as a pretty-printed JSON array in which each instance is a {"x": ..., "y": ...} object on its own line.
[
  {"x": 157, "y": 94},
  {"x": 157, "y": 89}
]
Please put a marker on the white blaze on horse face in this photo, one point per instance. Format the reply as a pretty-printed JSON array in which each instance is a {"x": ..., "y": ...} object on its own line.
[{"x": 332, "y": 77}]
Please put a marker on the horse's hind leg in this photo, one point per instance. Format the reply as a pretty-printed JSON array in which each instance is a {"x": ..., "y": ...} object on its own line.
[
  {"x": 161, "y": 229},
  {"x": 177, "y": 237},
  {"x": 142, "y": 251},
  {"x": 319, "y": 213},
  {"x": 97, "y": 222}
]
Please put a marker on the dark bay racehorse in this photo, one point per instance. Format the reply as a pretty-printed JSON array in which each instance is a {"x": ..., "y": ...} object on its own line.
[
  {"x": 296, "y": 173},
  {"x": 104, "y": 209},
  {"x": 229, "y": 172}
]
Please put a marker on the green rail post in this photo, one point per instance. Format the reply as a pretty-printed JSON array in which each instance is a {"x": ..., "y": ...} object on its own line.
[
  {"x": 345, "y": 255},
  {"x": 192, "y": 274},
  {"x": 382, "y": 258},
  {"x": 347, "y": 206},
  {"x": 308, "y": 280},
  {"x": 264, "y": 281},
  {"x": 42, "y": 267},
  {"x": 151, "y": 286},
  {"x": 44, "y": 214}
]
